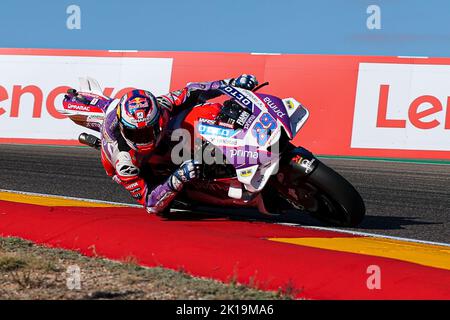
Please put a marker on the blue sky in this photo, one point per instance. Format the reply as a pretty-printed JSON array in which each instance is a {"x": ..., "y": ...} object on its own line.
[{"x": 408, "y": 27}]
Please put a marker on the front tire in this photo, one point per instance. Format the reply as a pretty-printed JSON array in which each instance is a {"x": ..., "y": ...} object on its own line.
[
  {"x": 327, "y": 195},
  {"x": 340, "y": 204}
]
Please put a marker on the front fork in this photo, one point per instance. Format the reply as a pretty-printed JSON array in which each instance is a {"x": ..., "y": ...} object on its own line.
[{"x": 296, "y": 165}]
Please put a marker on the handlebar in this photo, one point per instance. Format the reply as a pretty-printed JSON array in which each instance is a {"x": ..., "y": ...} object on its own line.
[{"x": 260, "y": 86}]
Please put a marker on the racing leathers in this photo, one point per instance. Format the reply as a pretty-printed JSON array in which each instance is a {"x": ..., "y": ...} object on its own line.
[{"x": 123, "y": 163}]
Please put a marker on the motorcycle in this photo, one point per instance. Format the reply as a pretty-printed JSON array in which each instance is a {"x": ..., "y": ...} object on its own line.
[{"x": 255, "y": 164}]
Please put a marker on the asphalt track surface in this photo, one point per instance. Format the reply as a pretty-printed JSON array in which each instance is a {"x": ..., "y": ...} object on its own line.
[{"x": 410, "y": 200}]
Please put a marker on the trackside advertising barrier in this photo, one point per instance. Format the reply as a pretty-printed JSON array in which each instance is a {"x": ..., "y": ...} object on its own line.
[{"x": 359, "y": 106}]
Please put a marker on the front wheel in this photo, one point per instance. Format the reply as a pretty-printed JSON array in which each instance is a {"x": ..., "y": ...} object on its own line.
[{"x": 327, "y": 196}]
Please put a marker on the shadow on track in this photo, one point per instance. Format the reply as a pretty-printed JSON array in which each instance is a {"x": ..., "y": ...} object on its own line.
[
  {"x": 391, "y": 222},
  {"x": 370, "y": 222},
  {"x": 243, "y": 214}
]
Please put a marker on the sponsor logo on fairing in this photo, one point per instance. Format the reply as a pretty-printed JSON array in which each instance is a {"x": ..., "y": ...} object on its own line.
[
  {"x": 246, "y": 173},
  {"x": 244, "y": 153},
  {"x": 224, "y": 141},
  {"x": 208, "y": 121},
  {"x": 249, "y": 122},
  {"x": 225, "y": 124},
  {"x": 78, "y": 107},
  {"x": 272, "y": 105},
  {"x": 238, "y": 96},
  {"x": 243, "y": 118},
  {"x": 206, "y": 129},
  {"x": 290, "y": 104}
]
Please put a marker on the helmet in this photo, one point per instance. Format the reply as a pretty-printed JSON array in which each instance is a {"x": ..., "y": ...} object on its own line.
[{"x": 140, "y": 120}]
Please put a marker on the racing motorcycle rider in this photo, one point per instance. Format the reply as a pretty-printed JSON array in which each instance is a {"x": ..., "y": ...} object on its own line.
[{"x": 133, "y": 129}]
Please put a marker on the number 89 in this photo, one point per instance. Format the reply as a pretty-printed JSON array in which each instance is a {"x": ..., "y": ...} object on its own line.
[{"x": 262, "y": 129}]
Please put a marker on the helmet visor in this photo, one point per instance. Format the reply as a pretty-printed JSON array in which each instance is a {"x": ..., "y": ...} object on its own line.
[{"x": 141, "y": 136}]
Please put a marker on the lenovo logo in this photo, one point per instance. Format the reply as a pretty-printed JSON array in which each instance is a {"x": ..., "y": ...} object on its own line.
[
  {"x": 36, "y": 99},
  {"x": 32, "y": 89},
  {"x": 430, "y": 116},
  {"x": 402, "y": 106}
]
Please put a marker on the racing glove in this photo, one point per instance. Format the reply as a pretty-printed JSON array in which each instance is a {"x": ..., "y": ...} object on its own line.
[
  {"x": 245, "y": 81},
  {"x": 188, "y": 171}
]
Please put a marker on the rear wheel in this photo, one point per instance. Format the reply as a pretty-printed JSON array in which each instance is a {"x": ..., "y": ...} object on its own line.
[{"x": 327, "y": 196}]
